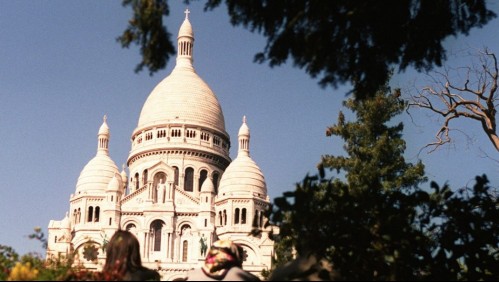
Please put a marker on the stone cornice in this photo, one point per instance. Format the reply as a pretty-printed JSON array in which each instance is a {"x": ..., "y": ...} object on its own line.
[{"x": 217, "y": 160}]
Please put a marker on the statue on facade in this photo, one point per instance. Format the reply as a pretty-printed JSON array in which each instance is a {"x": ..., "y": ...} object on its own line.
[
  {"x": 161, "y": 191},
  {"x": 204, "y": 246}
]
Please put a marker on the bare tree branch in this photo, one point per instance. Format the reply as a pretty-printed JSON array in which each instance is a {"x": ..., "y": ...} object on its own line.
[{"x": 465, "y": 92}]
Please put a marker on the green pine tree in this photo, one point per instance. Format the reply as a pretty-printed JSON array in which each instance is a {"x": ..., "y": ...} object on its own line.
[
  {"x": 363, "y": 224},
  {"x": 374, "y": 148}
]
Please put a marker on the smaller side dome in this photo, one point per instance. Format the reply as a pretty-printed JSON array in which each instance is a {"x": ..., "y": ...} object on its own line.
[
  {"x": 99, "y": 171},
  {"x": 124, "y": 176},
  {"x": 114, "y": 185},
  {"x": 208, "y": 186},
  {"x": 243, "y": 176},
  {"x": 97, "y": 174},
  {"x": 66, "y": 223}
]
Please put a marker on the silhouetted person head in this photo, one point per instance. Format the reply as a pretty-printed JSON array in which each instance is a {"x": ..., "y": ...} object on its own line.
[
  {"x": 224, "y": 261},
  {"x": 123, "y": 258}
]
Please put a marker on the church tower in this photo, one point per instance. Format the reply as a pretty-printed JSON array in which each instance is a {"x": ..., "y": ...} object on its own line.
[
  {"x": 241, "y": 202},
  {"x": 84, "y": 232}
]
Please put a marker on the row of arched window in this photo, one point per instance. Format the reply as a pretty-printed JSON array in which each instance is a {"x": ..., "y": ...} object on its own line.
[
  {"x": 76, "y": 215},
  {"x": 176, "y": 133},
  {"x": 190, "y": 133},
  {"x": 240, "y": 216},
  {"x": 205, "y": 136},
  {"x": 103, "y": 143},
  {"x": 180, "y": 132},
  {"x": 93, "y": 214},
  {"x": 188, "y": 179},
  {"x": 185, "y": 48}
]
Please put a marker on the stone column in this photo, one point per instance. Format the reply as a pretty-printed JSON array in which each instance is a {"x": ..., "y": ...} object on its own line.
[
  {"x": 176, "y": 246},
  {"x": 146, "y": 245}
]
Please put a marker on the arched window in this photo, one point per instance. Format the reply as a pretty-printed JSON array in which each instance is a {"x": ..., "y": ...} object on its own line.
[
  {"x": 236, "y": 216},
  {"x": 220, "y": 217},
  {"x": 110, "y": 221},
  {"x": 144, "y": 177},
  {"x": 97, "y": 214},
  {"x": 225, "y": 217},
  {"x": 202, "y": 178},
  {"x": 90, "y": 214},
  {"x": 55, "y": 239},
  {"x": 175, "y": 176},
  {"x": 156, "y": 227},
  {"x": 189, "y": 179},
  {"x": 130, "y": 227},
  {"x": 136, "y": 181},
  {"x": 243, "y": 216},
  {"x": 78, "y": 215},
  {"x": 256, "y": 220},
  {"x": 215, "y": 181},
  {"x": 185, "y": 249}
]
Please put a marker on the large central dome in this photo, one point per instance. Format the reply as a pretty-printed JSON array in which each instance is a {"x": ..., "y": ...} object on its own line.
[{"x": 182, "y": 97}]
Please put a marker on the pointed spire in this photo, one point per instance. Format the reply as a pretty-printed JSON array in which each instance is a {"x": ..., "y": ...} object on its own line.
[
  {"x": 103, "y": 137},
  {"x": 244, "y": 138},
  {"x": 114, "y": 184},
  {"x": 208, "y": 186},
  {"x": 124, "y": 177}
]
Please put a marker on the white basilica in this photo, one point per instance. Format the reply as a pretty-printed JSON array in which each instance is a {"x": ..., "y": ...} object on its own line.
[{"x": 183, "y": 190}]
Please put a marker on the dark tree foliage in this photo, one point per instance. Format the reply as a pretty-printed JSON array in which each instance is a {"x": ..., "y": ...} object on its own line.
[
  {"x": 388, "y": 234},
  {"x": 337, "y": 41},
  {"x": 356, "y": 41},
  {"x": 146, "y": 29},
  {"x": 464, "y": 226},
  {"x": 373, "y": 222}
]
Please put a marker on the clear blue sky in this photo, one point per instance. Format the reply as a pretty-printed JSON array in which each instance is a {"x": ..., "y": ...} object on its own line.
[{"x": 61, "y": 71}]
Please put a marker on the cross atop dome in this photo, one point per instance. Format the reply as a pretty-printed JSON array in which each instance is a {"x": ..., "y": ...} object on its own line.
[{"x": 187, "y": 12}]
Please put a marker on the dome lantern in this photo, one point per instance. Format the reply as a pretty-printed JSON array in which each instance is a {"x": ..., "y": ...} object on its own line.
[
  {"x": 185, "y": 43},
  {"x": 103, "y": 137},
  {"x": 244, "y": 138}
]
